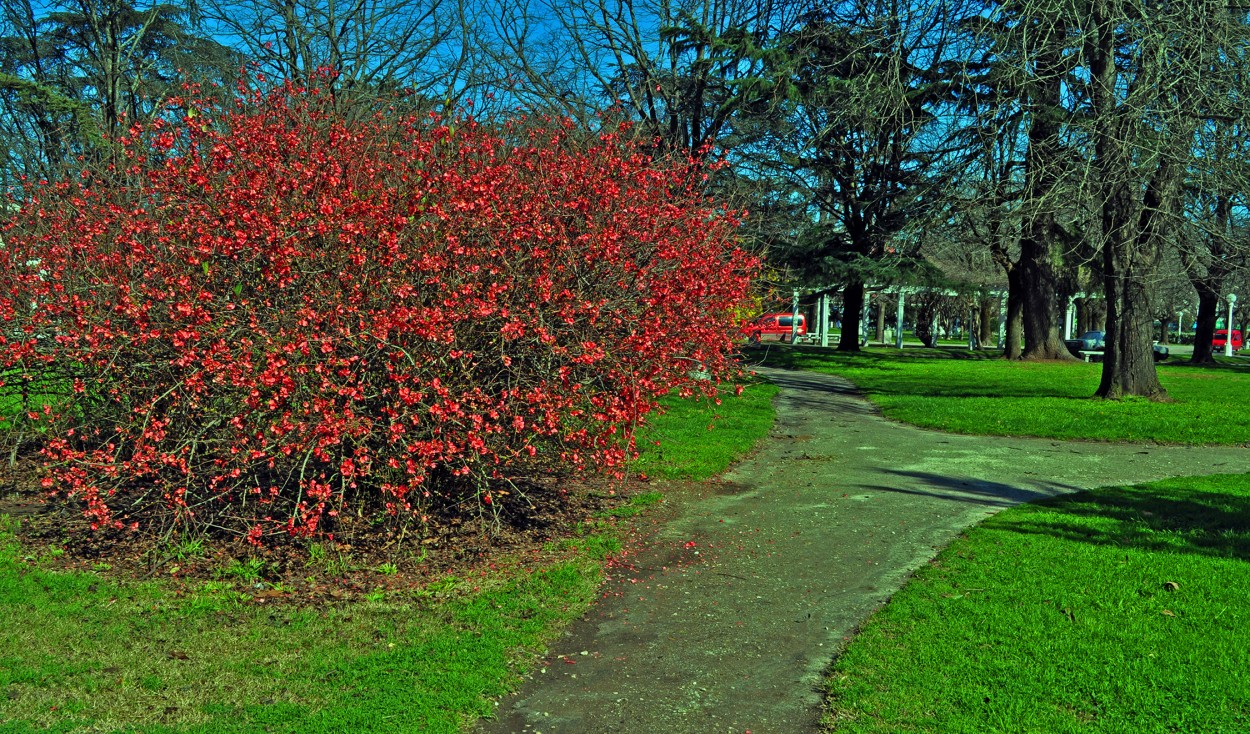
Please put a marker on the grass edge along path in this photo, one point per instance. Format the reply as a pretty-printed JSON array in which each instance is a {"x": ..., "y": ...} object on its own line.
[
  {"x": 78, "y": 651},
  {"x": 693, "y": 440},
  {"x": 977, "y": 393},
  {"x": 1121, "y": 609}
]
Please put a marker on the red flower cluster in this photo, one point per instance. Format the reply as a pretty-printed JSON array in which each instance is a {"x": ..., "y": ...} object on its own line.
[{"x": 273, "y": 311}]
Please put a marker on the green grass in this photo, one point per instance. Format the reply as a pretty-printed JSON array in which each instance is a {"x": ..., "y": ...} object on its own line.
[
  {"x": 1117, "y": 610},
  {"x": 79, "y": 652},
  {"x": 963, "y": 392},
  {"x": 23, "y": 393},
  {"x": 695, "y": 439},
  {"x": 19, "y": 394}
]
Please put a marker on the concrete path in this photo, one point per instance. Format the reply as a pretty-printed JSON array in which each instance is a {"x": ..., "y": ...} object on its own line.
[{"x": 733, "y": 611}]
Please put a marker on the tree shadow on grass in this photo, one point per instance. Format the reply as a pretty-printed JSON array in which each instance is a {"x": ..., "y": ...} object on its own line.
[
  {"x": 921, "y": 389},
  {"x": 1172, "y": 520},
  {"x": 1216, "y": 368},
  {"x": 816, "y": 384},
  {"x": 1206, "y": 523},
  {"x": 907, "y": 382}
]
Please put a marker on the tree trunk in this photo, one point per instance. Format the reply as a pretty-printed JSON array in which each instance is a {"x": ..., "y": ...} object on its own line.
[
  {"x": 1091, "y": 315},
  {"x": 1133, "y": 239},
  {"x": 1041, "y": 329},
  {"x": 1138, "y": 199},
  {"x": 1163, "y": 331},
  {"x": 880, "y": 299},
  {"x": 1128, "y": 366},
  {"x": 852, "y": 315},
  {"x": 989, "y": 321},
  {"x": 927, "y": 320},
  {"x": 1208, "y": 312},
  {"x": 1015, "y": 315},
  {"x": 1040, "y": 286}
]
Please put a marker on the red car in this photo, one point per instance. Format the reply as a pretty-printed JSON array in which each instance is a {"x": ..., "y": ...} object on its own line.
[
  {"x": 1221, "y": 335},
  {"x": 774, "y": 326}
]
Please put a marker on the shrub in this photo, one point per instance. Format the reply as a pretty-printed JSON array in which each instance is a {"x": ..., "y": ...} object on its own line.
[{"x": 270, "y": 311}]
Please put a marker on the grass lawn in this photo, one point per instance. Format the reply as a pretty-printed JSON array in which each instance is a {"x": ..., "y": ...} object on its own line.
[
  {"x": 81, "y": 652},
  {"x": 684, "y": 450},
  {"x": 955, "y": 390},
  {"x": 1116, "y": 610}
]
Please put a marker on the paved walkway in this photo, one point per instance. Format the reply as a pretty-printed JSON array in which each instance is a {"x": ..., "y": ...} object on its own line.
[{"x": 733, "y": 611}]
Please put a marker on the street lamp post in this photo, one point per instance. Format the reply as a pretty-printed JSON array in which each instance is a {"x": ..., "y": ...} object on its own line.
[
  {"x": 1228, "y": 332},
  {"x": 1069, "y": 316},
  {"x": 898, "y": 323},
  {"x": 794, "y": 318},
  {"x": 824, "y": 319}
]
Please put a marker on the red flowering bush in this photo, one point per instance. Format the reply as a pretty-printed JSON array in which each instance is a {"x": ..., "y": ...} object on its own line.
[{"x": 270, "y": 313}]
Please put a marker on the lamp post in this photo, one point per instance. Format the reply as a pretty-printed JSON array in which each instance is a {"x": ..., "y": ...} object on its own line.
[
  {"x": 824, "y": 319},
  {"x": 1069, "y": 316},
  {"x": 898, "y": 337},
  {"x": 1228, "y": 333},
  {"x": 794, "y": 318}
]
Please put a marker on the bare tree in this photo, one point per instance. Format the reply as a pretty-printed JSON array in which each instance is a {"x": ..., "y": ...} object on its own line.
[
  {"x": 985, "y": 204},
  {"x": 1172, "y": 292},
  {"x": 369, "y": 44},
  {"x": 1215, "y": 244},
  {"x": 684, "y": 71},
  {"x": 1150, "y": 84},
  {"x": 1110, "y": 95},
  {"x": 859, "y": 136},
  {"x": 1014, "y": 87}
]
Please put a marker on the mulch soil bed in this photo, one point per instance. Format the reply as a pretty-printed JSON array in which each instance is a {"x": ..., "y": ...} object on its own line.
[{"x": 527, "y": 526}]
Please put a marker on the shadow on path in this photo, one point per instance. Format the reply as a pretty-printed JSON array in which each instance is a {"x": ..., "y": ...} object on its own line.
[{"x": 976, "y": 491}]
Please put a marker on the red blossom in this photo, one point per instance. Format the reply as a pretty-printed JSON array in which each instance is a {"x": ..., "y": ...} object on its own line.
[{"x": 271, "y": 309}]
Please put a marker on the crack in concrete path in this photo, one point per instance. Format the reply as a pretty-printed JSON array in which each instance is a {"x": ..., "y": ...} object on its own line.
[{"x": 740, "y": 602}]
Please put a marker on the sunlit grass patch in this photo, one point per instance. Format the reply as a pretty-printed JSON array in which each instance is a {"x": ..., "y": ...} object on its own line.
[
  {"x": 1114, "y": 610},
  {"x": 694, "y": 438},
  {"x": 962, "y": 392}
]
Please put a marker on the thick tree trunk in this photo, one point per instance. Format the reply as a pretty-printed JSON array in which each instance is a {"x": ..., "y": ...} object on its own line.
[
  {"x": 1042, "y": 339},
  {"x": 852, "y": 315},
  {"x": 1128, "y": 366},
  {"x": 1014, "y": 333},
  {"x": 1137, "y": 203},
  {"x": 1208, "y": 312},
  {"x": 988, "y": 316},
  {"x": 1132, "y": 249},
  {"x": 928, "y": 321}
]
